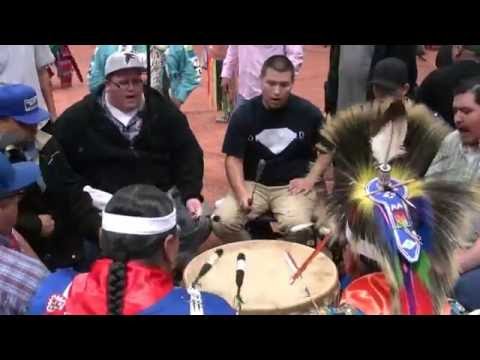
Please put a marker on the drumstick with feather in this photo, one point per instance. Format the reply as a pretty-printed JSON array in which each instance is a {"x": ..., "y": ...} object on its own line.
[
  {"x": 206, "y": 267},
  {"x": 239, "y": 277}
]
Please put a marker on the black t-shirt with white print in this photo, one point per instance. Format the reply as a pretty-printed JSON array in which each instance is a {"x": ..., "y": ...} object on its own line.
[{"x": 285, "y": 138}]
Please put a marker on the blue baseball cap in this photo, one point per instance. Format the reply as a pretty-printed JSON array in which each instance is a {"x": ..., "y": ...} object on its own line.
[
  {"x": 20, "y": 102},
  {"x": 15, "y": 177}
]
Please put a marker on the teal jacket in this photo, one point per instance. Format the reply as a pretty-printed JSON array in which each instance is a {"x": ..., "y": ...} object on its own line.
[{"x": 183, "y": 72}]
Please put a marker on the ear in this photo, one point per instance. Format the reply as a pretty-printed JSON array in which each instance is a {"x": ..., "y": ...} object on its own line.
[
  {"x": 405, "y": 89},
  {"x": 108, "y": 84},
  {"x": 170, "y": 247}
]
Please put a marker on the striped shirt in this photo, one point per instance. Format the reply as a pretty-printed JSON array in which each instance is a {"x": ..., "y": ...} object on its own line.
[
  {"x": 20, "y": 275},
  {"x": 456, "y": 162}
]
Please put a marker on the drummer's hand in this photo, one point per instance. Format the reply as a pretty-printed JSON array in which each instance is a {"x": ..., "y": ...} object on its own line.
[
  {"x": 48, "y": 225},
  {"x": 245, "y": 204},
  {"x": 195, "y": 207},
  {"x": 300, "y": 185}
]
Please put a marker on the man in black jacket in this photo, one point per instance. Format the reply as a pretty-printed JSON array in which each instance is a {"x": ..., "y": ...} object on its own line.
[
  {"x": 436, "y": 91},
  {"x": 128, "y": 134},
  {"x": 54, "y": 216}
]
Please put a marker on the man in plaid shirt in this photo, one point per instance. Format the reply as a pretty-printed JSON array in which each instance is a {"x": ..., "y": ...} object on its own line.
[
  {"x": 20, "y": 270},
  {"x": 20, "y": 276}
]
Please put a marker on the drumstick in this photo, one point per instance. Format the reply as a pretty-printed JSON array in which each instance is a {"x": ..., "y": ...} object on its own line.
[
  {"x": 212, "y": 260},
  {"x": 293, "y": 268},
  {"x": 318, "y": 249},
  {"x": 258, "y": 176},
  {"x": 239, "y": 277}
]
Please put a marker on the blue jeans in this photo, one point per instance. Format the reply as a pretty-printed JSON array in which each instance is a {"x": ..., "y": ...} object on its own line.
[{"x": 467, "y": 290}]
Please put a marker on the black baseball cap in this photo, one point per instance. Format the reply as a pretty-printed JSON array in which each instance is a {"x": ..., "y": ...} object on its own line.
[{"x": 390, "y": 73}]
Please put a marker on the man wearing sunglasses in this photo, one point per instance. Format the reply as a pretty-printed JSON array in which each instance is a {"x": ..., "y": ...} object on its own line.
[{"x": 112, "y": 139}]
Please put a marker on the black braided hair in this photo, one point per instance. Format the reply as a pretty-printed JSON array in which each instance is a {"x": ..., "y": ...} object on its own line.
[
  {"x": 116, "y": 287},
  {"x": 133, "y": 200}
]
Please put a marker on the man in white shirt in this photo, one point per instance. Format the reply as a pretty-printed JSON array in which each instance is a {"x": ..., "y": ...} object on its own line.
[{"x": 28, "y": 64}]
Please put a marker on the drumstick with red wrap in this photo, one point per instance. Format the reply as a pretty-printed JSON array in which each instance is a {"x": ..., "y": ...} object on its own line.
[
  {"x": 294, "y": 268},
  {"x": 212, "y": 260},
  {"x": 318, "y": 249},
  {"x": 239, "y": 277}
]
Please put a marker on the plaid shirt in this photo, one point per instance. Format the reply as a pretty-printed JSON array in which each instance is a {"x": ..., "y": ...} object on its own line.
[
  {"x": 456, "y": 162},
  {"x": 20, "y": 276}
]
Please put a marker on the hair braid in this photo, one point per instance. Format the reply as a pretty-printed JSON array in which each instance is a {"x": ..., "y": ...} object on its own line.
[{"x": 116, "y": 287}]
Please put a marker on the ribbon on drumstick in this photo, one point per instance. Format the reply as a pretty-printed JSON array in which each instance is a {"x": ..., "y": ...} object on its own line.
[
  {"x": 293, "y": 269},
  {"x": 318, "y": 248}
]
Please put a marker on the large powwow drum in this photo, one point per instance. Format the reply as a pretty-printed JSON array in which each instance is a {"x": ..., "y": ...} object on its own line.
[{"x": 266, "y": 287}]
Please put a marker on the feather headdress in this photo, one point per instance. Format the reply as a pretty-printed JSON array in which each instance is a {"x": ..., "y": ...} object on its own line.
[{"x": 381, "y": 153}]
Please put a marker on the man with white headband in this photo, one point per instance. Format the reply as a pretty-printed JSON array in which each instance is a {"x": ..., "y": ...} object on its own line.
[{"x": 139, "y": 245}]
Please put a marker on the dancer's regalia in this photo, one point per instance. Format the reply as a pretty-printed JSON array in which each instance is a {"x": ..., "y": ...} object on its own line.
[{"x": 409, "y": 225}]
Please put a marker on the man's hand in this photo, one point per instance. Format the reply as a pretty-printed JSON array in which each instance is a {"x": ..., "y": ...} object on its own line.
[
  {"x": 48, "y": 225},
  {"x": 244, "y": 199},
  {"x": 245, "y": 204},
  {"x": 301, "y": 185},
  {"x": 195, "y": 207}
]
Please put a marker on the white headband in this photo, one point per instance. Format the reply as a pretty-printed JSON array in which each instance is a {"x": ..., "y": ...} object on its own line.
[{"x": 135, "y": 225}]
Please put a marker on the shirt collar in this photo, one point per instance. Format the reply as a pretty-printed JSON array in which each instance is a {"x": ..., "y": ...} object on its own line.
[{"x": 124, "y": 118}]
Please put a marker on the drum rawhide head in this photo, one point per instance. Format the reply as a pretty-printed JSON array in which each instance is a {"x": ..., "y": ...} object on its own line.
[{"x": 265, "y": 284}]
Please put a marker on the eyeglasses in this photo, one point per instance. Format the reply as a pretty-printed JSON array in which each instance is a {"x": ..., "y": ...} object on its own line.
[{"x": 123, "y": 84}]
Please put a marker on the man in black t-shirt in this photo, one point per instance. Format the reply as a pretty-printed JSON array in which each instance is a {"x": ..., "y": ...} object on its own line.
[
  {"x": 436, "y": 90},
  {"x": 281, "y": 129}
]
